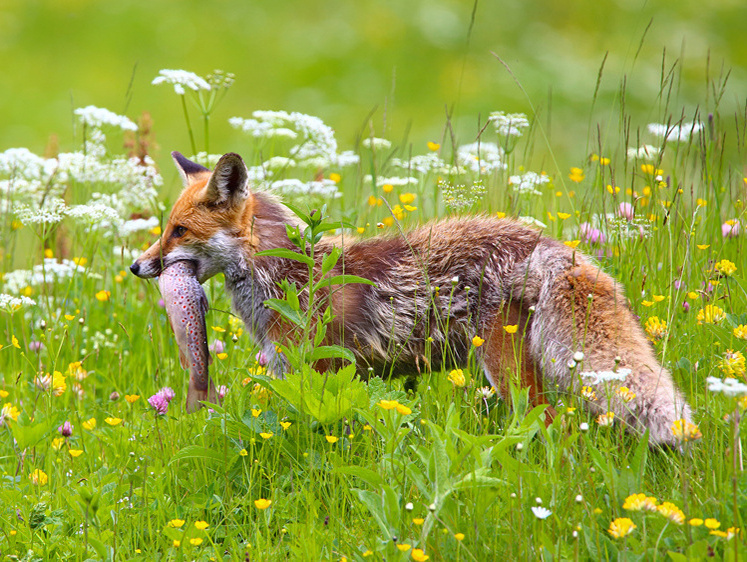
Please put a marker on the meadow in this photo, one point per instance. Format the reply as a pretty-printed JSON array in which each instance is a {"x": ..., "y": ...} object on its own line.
[{"x": 324, "y": 466}]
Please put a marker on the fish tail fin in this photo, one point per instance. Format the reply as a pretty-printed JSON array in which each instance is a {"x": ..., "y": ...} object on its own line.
[{"x": 195, "y": 396}]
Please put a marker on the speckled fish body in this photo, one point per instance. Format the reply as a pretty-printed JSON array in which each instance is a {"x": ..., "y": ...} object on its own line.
[{"x": 186, "y": 305}]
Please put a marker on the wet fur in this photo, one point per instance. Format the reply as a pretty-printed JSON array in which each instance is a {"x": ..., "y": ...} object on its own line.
[{"x": 436, "y": 287}]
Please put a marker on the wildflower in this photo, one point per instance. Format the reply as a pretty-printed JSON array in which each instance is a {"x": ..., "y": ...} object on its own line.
[
  {"x": 97, "y": 117},
  {"x": 598, "y": 377},
  {"x": 285, "y": 425},
  {"x": 418, "y": 555},
  {"x": 103, "y": 295},
  {"x": 563, "y": 216},
  {"x": 592, "y": 235},
  {"x": 403, "y": 547},
  {"x": 732, "y": 363},
  {"x": 388, "y": 404},
  {"x": 606, "y": 420},
  {"x": 176, "y": 543},
  {"x": 131, "y": 398},
  {"x": 621, "y": 527},
  {"x": 262, "y": 503},
  {"x": 167, "y": 393},
  {"x": 456, "y": 377},
  {"x": 477, "y": 341},
  {"x": 376, "y": 143},
  {"x": 703, "y": 246},
  {"x": 433, "y": 146},
  {"x": 176, "y": 523},
  {"x": 529, "y": 183},
  {"x": 671, "y": 512},
  {"x": 196, "y": 541},
  {"x": 712, "y": 523},
  {"x": 66, "y": 430},
  {"x": 572, "y": 243},
  {"x": 404, "y": 410},
  {"x": 625, "y": 393},
  {"x": 655, "y": 328},
  {"x": 710, "y": 314},
  {"x": 675, "y": 133},
  {"x": 11, "y": 304},
  {"x": 511, "y": 329},
  {"x": 725, "y": 267},
  {"x": 159, "y": 403},
  {"x": 541, "y": 512},
  {"x": 113, "y": 421},
  {"x": 588, "y": 393},
  {"x": 181, "y": 79},
  {"x": 418, "y": 520},
  {"x": 75, "y": 453},
  {"x": 9, "y": 412},
  {"x": 202, "y": 525},
  {"x": 57, "y": 443},
  {"x": 508, "y": 124},
  {"x": 577, "y": 175},
  {"x": 731, "y": 228},
  {"x": 695, "y": 522},
  {"x": 459, "y": 536},
  {"x": 740, "y": 332},
  {"x": 58, "y": 384},
  {"x": 265, "y": 435},
  {"x": 331, "y": 439},
  {"x": 728, "y": 386},
  {"x": 39, "y": 478},
  {"x": 640, "y": 502},
  {"x": 243, "y": 453},
  {"x": 407, "y": 198},
  {"x": 256, "y": 412}
]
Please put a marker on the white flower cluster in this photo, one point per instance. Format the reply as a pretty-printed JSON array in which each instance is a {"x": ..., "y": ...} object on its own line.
[
  {"x": 375, "y": 143},
  {"x": 597, "y": 377},
  {"x": 528, "y": 183},
  {"x": 181, "y": 79},
  {"x": 98, "y": 117},
  {"x": 423, "y": 163},
  {"x": 728, "y": 386},
  {"x": 481, "y": 157},
  {"x": 675, "y": 133},
  {"x": 11, "y": 303},
  {"x": 137, "y": 225},
  {"x": 645, "y": 152},
  {"x": 509, "y": 124},
  {"x": 52, "y": 212},
  {"x": 461, "y": 196},
  {"x": 48, "y": 272},
  {"x": 393, "y": 181},
  {"x": 325, "y": 188}
]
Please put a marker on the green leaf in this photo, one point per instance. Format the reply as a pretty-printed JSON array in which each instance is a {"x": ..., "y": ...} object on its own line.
[
  {"x": 342, "y": 280},
  {"x": 287, "y": 254},
  {"x": 330, "y": 260},
  {"x": 286, "y": 310},
  {"x": 332, "y": 352},
  {"x": 29, "y": 435},
  {"x": 199, "y": 453}
]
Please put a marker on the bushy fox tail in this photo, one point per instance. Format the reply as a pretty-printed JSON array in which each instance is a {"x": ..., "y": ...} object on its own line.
[{"x": 579, "y": 308}]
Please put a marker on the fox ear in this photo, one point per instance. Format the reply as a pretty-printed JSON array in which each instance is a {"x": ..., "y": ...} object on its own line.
[
  {"x": 229, "y": 183},
  {"x": 187, "y": 168}
]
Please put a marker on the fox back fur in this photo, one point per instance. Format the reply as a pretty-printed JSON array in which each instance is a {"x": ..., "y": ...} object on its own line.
[{"x": 435, "y": 288}]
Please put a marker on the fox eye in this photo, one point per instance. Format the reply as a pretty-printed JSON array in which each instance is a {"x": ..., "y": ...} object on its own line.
[{"x": 179, "y": 231}]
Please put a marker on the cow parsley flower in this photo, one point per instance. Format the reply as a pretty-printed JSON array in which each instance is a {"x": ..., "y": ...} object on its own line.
[
  {"x": 52, "y": 212},
  {"x": 728, "y": 386},
  {"x": 528, "y": 183},
  {"x": 508, "y": 124},
  {"x": 10, "y": 303},
  {"x": 481, "y": 157},
  {"x": 675, "y": 133},
  {"x": 606, "y": 376},
  {"x": 645, "y": 152},
  {"x": 98, "y": 117},
  {"x": 181, "y": 79}
]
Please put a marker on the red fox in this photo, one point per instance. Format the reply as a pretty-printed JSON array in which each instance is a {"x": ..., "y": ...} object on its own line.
[{"x": 436, "y": 288}]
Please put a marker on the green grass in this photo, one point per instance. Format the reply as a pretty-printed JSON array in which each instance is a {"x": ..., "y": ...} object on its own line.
[{"x": 451, "y": 472}]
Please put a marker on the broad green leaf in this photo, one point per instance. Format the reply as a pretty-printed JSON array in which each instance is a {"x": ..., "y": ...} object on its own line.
[
  {"x": 199, "y": 453},
  {"x": 342, "y": 280},
  {"x": 287, "y": 254},
  {"x": 332, "y": 352},
  {"x": 286, "y": 310}
]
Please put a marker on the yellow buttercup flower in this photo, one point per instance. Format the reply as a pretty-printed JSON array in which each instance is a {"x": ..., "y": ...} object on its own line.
[
  {"x": 572, "y": 243},
  {"x": 404, "y": 410},
  {"x": 331, "y": 439},
  {"x": 113, "y": 421},
  {"x": 202, "y": 525},
  {"x": 418, "y": 555},
  {"x": 388, "y": 404},
  {"x": 433, "y": 146},
  {"x": 712, "y": 523},
  {"x": 262, "y": 503},
  {"x": 197, "y": 541},
  {"x": 176, "y": 523},
  {"x": 577, "y": 175},
  {"x": 477, "y": 341},
  {"x": 88, "y": 425},
  {"x": 265, "y": 435},
  {"x": 103, "y": 295},
  {"x": 511, "y": 329},
  {"x": 75, "y": 452},
  {"x": 39, "y": 477},
  {"x": 131, "y": 398},
  {"x": 285, "y": 425}
]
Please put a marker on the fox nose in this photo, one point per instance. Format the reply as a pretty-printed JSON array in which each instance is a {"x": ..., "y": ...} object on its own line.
[{"x": 135, "y": 268}]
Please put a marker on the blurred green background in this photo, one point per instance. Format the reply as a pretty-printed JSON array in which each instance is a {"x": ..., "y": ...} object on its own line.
[{"x": 407, "y": 61}]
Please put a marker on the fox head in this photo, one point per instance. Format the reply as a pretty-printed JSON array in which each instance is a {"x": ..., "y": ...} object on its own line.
[{"x": 207, "y": 223}]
